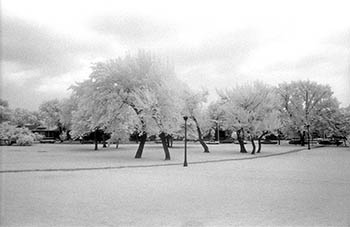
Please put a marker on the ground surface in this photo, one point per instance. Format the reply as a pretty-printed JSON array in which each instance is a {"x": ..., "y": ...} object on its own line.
[
  {"x": 306, "y": 188},
  {"x": 75, "y": 156}
]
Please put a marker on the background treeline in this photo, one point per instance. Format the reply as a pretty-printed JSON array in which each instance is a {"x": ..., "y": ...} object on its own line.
[{"x": 140, "y": 95}]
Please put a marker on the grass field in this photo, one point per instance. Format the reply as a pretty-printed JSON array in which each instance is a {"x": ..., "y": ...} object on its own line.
[
  {"x": 75, "y": 156},
  {"x": 306, "y": 188}
]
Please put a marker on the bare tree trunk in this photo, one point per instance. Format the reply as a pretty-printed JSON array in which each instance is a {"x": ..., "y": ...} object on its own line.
[
  {"x": 279, "y": 136},
  {"x": 302, "y": 138},
  {"x": 104, "y": 140},
  {"x": 241, "y": 140},
  {"x": 200, "y": 137},
  {"x": 169, "y": 140},
  {"x": 95, "y": 139},
  {"x": 68, "y": 135},
  {"x": 165, "y": 147},
  {"x": 142, "y": 141},
  {"x": 259, "y": 141},
  {"x": 253, "y": 144}
]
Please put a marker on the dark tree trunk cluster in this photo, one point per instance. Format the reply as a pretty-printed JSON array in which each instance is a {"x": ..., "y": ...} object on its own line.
[
  {"x": 104, "y": 140},
  {"x": 169, "y": 140},
  {"x": 95, "y": 139},
  {"x": 163, "y": 138},
  {"x": 253, "y": 144},
  {"x": 302, "y": 136},
  {"x": 240, "y": 138},
  {"x": 259, "y": 140},
  {"x": 142, "y": 141}
]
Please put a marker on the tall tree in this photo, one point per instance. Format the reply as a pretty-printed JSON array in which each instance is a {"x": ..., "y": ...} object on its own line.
[
  {"x": 50, "y": 113},
  {"x": 96, "y": 110},
  {"x": 306, "y": 104},
  {"x": 129, "y": 83},
  {"x": 248, "y": 109},
  {"x": 68, "y": 106},
  {"x": 270, "y": 123},
  {"x": 214, "y": 116},
  {"x": 195, "y": 110},
  {"x": 21, "y": 117}
]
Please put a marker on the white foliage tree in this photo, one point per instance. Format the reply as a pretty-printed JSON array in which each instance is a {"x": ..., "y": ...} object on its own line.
[
  {"x": 139, "y": 87},
  {"x": 194, "y": 109},
  {"x": 250, "y": 108}
]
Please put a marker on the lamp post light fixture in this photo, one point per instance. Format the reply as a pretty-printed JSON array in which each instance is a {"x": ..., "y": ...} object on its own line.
[{"x": 185, "y": 154}]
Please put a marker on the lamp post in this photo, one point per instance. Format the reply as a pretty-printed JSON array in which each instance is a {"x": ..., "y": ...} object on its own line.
[
  {"x": 185, "y": 154},
  {"x": 218, "y": 129}
]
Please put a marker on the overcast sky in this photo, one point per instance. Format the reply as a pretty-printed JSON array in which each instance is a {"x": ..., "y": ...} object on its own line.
[{"x": 49, "y": 45}]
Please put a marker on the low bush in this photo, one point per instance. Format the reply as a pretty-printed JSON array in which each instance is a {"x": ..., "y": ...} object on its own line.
[
  {"x": 38, "y": 137},
  {"x": 11, "y": 134},
  {"x": 24, "y": 140}
]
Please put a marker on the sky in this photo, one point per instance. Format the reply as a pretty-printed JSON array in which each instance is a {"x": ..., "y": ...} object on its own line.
[{"x": 47, "y": 46}]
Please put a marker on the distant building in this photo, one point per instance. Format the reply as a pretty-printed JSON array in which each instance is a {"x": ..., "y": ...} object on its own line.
[{"x": 47, "y": 133}]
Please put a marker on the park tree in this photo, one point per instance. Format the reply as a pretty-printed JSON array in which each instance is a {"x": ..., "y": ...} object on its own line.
[
  {"x": 94, "y": 110},
  {"x": 269, "y": 123},
  {"x": 264, "y": 113},
  {"x": 123, "y": 78},
  {"x": 335, "y": 123},
  {"x": 163, "y": 105},
  {"x": 134, "y": 86},
  {"x": 50, "y": 112},
  {"x": 215, "y": 116},
  {"x": 194, "y": 109},
  {"x": 249, "y": 109},
  {"x": 306, "y": 105},
  {"x": 343, "y": 124},
  {"x": 67, "y": 107},
  {"x": 21, "y": 117}
]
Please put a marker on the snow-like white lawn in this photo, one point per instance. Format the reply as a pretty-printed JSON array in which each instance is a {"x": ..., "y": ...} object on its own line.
[
  {"x": 70, "y": 156},
  {"x": 306, "y": 188}
]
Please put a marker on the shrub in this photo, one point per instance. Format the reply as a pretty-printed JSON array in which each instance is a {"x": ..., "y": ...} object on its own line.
[
  {"x": 11, "y": 134},
  {"x": 37, "y": 137},
  {"x": 63, "y": 136},
  {"x": 25, "y": 140}
]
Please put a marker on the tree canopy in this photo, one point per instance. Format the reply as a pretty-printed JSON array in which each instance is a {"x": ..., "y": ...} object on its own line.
[
  {"x": 306, "y": 103},
  {"x": 135, "y": 93},
  {"x": 250, "y": 108}
]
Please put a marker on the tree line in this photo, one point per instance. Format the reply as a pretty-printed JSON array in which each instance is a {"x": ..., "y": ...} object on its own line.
[{"x": 141, "y": 95}]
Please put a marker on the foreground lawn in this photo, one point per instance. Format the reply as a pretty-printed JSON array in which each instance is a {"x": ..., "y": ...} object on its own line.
[
  {"x": 307, "y": 188},
  {"x": 70, "y": 156}
]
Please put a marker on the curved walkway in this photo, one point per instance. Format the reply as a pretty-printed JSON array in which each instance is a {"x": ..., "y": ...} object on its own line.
[{"x": 154, "y": 165}]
